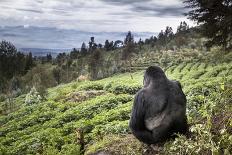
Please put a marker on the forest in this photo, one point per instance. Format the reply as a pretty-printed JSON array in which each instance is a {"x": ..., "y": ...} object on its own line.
[{"x": 80, "y": 102}]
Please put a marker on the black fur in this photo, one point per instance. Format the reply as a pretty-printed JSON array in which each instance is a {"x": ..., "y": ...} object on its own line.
[{"x": 159, "y": 108}]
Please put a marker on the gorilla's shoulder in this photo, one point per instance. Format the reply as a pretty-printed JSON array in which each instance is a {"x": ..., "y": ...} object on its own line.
[
  {"x": 176, "y": 83},
  {"x": 141, "y": 92}
]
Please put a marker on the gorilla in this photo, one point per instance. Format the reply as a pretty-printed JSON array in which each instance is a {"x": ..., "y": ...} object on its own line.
[{"x": 159, "y": 108}]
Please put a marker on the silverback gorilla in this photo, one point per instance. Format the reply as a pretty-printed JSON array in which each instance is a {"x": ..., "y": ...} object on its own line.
[{"x": 159, "y": 108}]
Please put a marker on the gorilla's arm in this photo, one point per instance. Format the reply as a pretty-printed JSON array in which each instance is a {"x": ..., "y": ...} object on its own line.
[
  {"x": 138, "y": 112},
  {"x": 137, "y": 123},
  {"x": 178, "y": 83}
]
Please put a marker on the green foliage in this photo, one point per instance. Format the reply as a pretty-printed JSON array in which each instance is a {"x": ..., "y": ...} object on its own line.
[
  {"x": 116, "y": 144},
  {"x": 210, "y": 132},
  {"x": 214, "y": 25},
  {"x": 12, "y": 64},
  {"x": 120, "y": 88},
  {"x": 92, "y": 86}
]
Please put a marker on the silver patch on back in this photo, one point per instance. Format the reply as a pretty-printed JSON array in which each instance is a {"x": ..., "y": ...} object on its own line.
[{"x": 154, "y": 122}]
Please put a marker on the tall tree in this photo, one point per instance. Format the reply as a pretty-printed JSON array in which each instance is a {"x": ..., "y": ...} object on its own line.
[
  {"x": 8, "y": 54},
  {"x": 29, "y": 61},
  {"x": 107, "y": 45},
  {"x": 57, "y": 74},
  {"x": 83, "y": 48},
  {"x": 215, "y": 17},
  {"x": 74, "y": 53},
  {"x": 181, "y": 36},
  {"x": 140, "y": 43},
  {"x": 95, "y": 61},
  {"x": 129, "y": 49},
  {"x": 129, "y": 38},
  {"x": 168, "y": 32},
  {"x": 129, "y": 46},
  {"x": 183, "y": 27},
  {"x": 161, "y": 38},
  {"x": 92, "y": 44},
  {"x": 49, "y": 57}
]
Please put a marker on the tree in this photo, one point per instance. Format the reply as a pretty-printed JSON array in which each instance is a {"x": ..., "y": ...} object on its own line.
[
  {"x": 83, "y": 48},
  {"x": 140, "y": 43},
  {"x": 74, "y": 53},
  {"x": 118, "y": 43},
  {"x": 95, "y": 61},
  {"x": 168, "y": 33},
  {"x": 161, "y": 38},
  {"x": 111, "y": 45},
  {"x": 49, "y": 57},
  {"x": 20, "y": 63},
  {"x": 61, "y": 57},
  {"x": 129, "y": 49},
  {"x": 152, "y": 41},
  {"x": 7, "y": 58},
  {"x": 182, "y": 34},
  {"x": 183, "y": 27},
  {"x": 92, "y": 44},
  {"x": 215, "y": 18},
  {"x": 29, "y": 61},
  {"x": 57, "y": 74},
  {"x": 7, "y": 49},
  {"x": 129, "y": 38},
  {"x": 12, "y": 63},
  {"x": 129, "y": 46},
  {"x": 107, "y": 45},
  {"x": 99, "y": 46}
]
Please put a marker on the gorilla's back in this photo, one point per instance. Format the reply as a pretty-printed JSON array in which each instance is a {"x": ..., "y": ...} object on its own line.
[{"x": 162, "y": 101}]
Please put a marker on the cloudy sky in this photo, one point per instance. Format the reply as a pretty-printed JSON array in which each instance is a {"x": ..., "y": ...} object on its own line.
[{"x": 94, "y": 16}]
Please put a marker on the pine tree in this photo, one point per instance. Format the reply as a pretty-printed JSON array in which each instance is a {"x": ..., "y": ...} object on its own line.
[
  {"x": 107, "y": 45},
  {"x": 83, "y": 48},
  {"x": 29, "y": 61},
  {"x": 215, "y": 18}
]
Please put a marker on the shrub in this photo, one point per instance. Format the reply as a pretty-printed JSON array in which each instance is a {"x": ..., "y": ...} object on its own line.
[
  {"x": 92, "y": 86},
  {"x": 33, "y": 97},
  {"x": 123, "y": 89}
]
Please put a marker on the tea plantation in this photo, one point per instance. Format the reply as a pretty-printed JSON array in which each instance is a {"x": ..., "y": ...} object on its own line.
[{"x": 92, "y": 116}]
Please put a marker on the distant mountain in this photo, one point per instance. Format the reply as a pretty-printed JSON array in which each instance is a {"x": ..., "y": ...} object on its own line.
[
  {"x": 52, "y": 38},
  {"x": 43, "y": 52}
]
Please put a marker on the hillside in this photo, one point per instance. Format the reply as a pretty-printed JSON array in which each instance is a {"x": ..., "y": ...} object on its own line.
[{"x": 100, "y": 110}]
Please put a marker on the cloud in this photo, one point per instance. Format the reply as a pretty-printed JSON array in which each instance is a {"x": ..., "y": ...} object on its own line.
[
  {"x": 123, "y": 2},
  {"x": 89, "y": 16},
  {"x": 161, "y": 11},
  {"x": 30, "y": 10},
  {"x": 164, "y": 8}
]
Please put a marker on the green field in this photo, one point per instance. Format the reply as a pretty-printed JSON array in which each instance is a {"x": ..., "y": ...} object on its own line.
[{"x": 102, "y": 110}]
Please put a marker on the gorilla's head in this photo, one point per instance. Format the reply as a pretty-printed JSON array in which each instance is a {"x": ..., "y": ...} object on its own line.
[{"x": 153, "y": 74}]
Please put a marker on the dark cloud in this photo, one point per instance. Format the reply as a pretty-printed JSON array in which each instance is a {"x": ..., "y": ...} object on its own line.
[
  {"x": 29, "y": 10},
  {"x": 39, "y": 1},
  {"x": 126, "y": 1},
  {"x": 152, "y": 7},
  {"x": 160, "y": 11}
]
